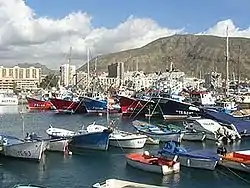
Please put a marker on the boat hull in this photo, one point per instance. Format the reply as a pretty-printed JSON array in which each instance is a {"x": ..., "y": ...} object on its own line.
[
  {"x": 195, "y": 162},
  {"x": 93, "y": 141},
  {"x": 133, "y": 143},
  {"x": 235, "y": 165},
  {"x": 95, "y": 106},
  {"x": 57, "y": 145},
  {"x": 173, "y": 109},
  {"x": 35, "y": 104},
  {"x": 194, "y": 136},
  {"x": 164, "y": 137},
  {"x": 164, "y": 170},
  {"x": 26, "y": 150},
  {"x": 65, "y": 106},
  {"x": 133, "y": 106}
]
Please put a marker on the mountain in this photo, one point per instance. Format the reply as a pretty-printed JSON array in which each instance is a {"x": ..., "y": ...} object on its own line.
[
  {"x": 45, "y": 70},
  {"x": 193, "y": 54}
]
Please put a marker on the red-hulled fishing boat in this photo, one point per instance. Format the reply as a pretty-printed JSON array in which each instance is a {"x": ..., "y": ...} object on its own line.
[
  {"x": 39, "y": 104},
  {"x": 133, "y": 106},
  {"x": 68, "y": 106}
]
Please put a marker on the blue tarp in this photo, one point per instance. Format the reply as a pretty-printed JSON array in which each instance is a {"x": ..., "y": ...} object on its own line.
[{"x": 242, "y": 126}]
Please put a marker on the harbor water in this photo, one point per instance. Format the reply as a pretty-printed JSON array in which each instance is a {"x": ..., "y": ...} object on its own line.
[{"x": 57, "y": 170}]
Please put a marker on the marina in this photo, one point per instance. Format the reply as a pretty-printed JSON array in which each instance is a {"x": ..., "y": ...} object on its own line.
[{"x": 86, "y": 168}]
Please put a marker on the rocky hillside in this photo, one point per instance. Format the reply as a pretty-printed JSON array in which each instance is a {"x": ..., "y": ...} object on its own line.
[
  {"x": 193, "y": 54},
  {"x": 45, "y": 69}
]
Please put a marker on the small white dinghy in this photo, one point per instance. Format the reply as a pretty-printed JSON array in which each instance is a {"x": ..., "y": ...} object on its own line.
[
  {"x": 115, "y": 183},
  {"x": 153, "y": 164},
  {"x": 121, "y": 138}
]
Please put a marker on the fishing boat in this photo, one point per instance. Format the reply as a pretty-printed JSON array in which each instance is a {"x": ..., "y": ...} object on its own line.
[
  {"x": 152, "y": 164},
  {"x": 83, "y": 139},
  {"x": 95, "y": 105},
  {"x": 173, "y": 109},
  {"x": 237, "y": 160},
  {"x": 39, "y": 104},
  {"x": 188, "y": 134},
  {"x": 14, "y": 147},
  {"x": 134, "y": 106},
  {"x": 155, "y": 132},
  {"x": 68, "y": 105},
  {"x": 212, "y": 129},
  {"x": 120, "y": 138},
  {"x": 189, "y": 159},
  {"x": 116, "y": 183},
  {"x": 58, "y": 145}
]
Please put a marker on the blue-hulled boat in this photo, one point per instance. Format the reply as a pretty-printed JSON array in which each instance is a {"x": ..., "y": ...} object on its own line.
[
  {"x": 191, "y": 159},
  {"x": 161, "y": 134},
  {"x": 83, "y": 139},
  {"x": 95, "y": 105}
]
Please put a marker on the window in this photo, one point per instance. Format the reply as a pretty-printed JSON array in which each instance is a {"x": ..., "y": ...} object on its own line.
[
  {"x": 27, "y": 73},
  {"x": 4, "y": 73},
  {"x": 21, "y": 73},
  {"x": 33, "y": 73},
  {"x": 10, "y": 72},
  {"x": 16, "y": 73}
]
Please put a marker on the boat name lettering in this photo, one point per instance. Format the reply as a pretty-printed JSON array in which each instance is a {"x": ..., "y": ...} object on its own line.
[
  {"x": 24, "y": 153},
  {"x": 205, "y": 123},
  {"x": 183, "y": 112},
  {"x": 9, "y": 101}
]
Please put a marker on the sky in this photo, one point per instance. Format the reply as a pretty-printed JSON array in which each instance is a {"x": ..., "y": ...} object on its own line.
[{"x": 43, "y": 30}]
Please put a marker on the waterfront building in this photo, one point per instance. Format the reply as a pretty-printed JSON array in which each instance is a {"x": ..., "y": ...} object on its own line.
[
  {"x": 20, "y": 78},
  {"x": 67, "y": 75}
]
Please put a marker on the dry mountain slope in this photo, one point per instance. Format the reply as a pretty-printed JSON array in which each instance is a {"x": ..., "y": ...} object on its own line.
[{"x": 193, "y": 54}]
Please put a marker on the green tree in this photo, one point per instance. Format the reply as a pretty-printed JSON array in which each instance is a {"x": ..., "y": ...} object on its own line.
[{"x": 49, "y": 81}]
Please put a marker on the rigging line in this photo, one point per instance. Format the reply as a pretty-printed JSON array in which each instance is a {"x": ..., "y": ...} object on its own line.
[
  {"x": 237, "y": 175},
  {"x": 142, "y": 108}
]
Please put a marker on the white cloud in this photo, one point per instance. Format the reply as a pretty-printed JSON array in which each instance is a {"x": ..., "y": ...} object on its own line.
[
  {"x": 26, "y": 37},
  {"x": 221, "y": 27}
]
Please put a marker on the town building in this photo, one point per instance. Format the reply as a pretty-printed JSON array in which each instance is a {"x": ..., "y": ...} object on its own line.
[
  {"x": 213, "y": 80},
  {"x": 67, "y": 75},
  {"x": 20, "y": 78}
]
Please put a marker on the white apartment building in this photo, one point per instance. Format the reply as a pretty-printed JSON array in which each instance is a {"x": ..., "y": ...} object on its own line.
[
  {"x": 21, "y": 78},
  {"x": 68, "y": 73}
]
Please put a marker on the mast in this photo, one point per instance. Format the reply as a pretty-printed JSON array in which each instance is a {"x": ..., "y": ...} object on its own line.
[
  {"x": 227, "y": 61},
  {"x": 69, "y": 62},
  {"x": 238, "y": 68},
  {"x": 88, "y": 66}
]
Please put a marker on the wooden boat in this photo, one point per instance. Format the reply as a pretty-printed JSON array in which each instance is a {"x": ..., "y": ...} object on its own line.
[
  {"x": 15, "y": 147},
  {"x": 115, "y": 183},
  {"x": 83, "y": 139},
  {"x": 188, "y": 135},
  {"x": 58, "y": 145},
  {"x": 155, "y": 132},
  {"x": 238, "y": 160},
  {"x": 151, "y": 141},
  {"x": 152, "y": 164},
  {"x": 121, "y": 138},
  {"x": 189, "y": 158}
]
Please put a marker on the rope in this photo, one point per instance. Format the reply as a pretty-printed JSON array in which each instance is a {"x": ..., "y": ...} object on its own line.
[{"x": 237, "y": 175}]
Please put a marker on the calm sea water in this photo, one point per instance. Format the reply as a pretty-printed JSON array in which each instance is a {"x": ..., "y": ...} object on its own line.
[{"x": 57, "y": 170}]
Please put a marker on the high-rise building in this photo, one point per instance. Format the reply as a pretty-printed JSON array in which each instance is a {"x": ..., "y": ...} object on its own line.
[
  {"x": 68, "y": 73},
  {"x": 21, "y": 78}
]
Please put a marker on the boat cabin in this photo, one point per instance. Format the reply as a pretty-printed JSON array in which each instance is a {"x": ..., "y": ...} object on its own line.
[{"x": 203, "y": 98}]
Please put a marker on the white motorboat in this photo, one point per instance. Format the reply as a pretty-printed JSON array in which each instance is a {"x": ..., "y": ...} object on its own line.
[
  {"x": 14, "y": 147},
  {"x": 115, "y": 183},
  {"x": 28, "y": 186},
  {"x": 153, "y": 164},
  {"x": 238, "y": 160},
  {"x": 121, "y": 138},
  {"x": 59, "y": 133},
  {"x": 212, "y": 129}
]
